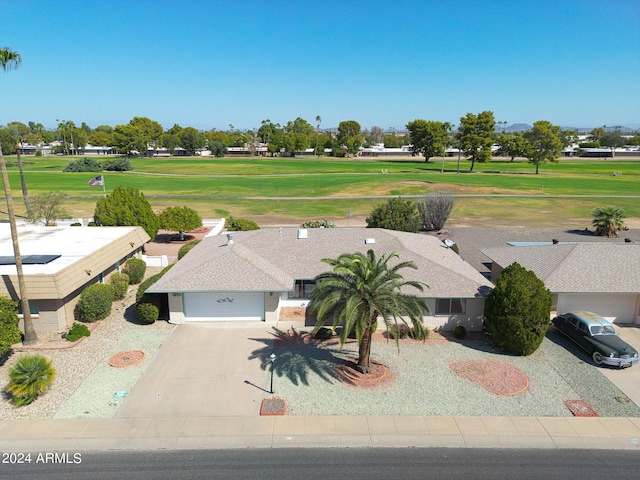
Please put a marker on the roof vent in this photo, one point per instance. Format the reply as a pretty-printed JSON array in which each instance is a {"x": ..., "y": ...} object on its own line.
[
  {"x": 229, "y": 238},
  {"x": 367, "y": 241},
  {"x": 302, "y": 233}
]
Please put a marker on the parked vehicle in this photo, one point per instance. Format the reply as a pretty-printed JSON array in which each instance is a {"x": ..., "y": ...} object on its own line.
[{"x": 598, "y": 337}]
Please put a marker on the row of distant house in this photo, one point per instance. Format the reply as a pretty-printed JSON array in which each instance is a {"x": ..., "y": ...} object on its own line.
[{"x": 268, "y": 274}]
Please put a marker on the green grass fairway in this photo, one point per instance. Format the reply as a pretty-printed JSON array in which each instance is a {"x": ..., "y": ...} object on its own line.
[{"x": 301, "y": 188}]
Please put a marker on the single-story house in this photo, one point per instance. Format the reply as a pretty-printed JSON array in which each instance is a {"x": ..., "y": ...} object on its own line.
[
  {"x": 260, "y": 274},
  {"x": 594, "y": 276},
  {"x": 59, "y": 262}
]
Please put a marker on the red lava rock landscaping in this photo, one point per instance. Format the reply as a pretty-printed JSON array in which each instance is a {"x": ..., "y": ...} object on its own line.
[
  {"x": 580, "y": 408},
  {"x": 494, "y": 376},
  {"x": 273, "y": 406},
  {"x": 378, "y": 376},
  {"x": 126, "y": 359}
]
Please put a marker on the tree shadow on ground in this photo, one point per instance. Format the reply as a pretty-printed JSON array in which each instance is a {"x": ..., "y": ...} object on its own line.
[{"x": 297, "y": 355}]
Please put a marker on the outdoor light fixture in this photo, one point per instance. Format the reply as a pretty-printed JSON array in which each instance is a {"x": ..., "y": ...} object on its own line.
[{"x": 272, "y": 357}]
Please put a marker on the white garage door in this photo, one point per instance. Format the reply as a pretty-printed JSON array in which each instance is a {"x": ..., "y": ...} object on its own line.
[
  {"x": 617, "y": 307},
  {"x": 223, "y": 306}
]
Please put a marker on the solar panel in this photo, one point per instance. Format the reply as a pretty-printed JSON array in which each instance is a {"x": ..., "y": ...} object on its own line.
[{"x": 28, "y": 259}]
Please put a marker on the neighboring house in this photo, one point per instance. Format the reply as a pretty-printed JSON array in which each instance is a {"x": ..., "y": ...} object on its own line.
[
  {"x": 600, "y": 277},
  {"x": 59, "y": 262},
  {"x": 261, "y": 274}
]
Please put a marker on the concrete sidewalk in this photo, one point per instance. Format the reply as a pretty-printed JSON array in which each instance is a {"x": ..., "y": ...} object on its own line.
[{"x": 182, "y": 432}]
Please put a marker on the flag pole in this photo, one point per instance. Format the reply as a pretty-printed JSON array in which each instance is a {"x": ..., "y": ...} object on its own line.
[{"x": 104, "y": 188}]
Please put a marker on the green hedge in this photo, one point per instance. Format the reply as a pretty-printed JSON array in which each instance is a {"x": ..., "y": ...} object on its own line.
[
  {"x": 187, "y": 248},
  {"x": 95, "y": 302},
  {"x": 136, "y": 269}
]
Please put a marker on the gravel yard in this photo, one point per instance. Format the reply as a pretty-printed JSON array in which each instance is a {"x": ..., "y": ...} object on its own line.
[
  {"x": 424, "y": 384},
  {"x": 85, "y": 384}
]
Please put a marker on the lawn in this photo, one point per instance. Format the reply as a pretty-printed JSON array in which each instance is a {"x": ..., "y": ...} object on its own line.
[{"x": 301, "y": 188}]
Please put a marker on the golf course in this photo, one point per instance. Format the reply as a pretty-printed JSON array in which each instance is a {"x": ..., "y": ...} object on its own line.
[{"x": 288, "y": 191}]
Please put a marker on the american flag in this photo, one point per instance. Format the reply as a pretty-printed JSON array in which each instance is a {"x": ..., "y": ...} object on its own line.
[{"x": 97, "y": 181}]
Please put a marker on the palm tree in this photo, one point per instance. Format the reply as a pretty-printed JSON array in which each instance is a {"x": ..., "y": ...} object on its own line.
[
  {"x": 360, "y": 289},
  {"x": 8, "y": 61},
  {"x": 607, "y": 221}
]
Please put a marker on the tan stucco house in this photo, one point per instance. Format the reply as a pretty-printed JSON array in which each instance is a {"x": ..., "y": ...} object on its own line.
[
  {"x": 59, "y": 262},
  {"x": 259, "y": 274},
  {"x": 599, "y": 277}
]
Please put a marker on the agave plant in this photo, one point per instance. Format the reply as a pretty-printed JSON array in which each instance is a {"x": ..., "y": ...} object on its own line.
[
  {"x": 30, "y": 377},
  {"x": 607, "y": 221}
]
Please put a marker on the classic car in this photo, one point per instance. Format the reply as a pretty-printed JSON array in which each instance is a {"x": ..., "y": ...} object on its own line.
[{"x": 598, "y": 337}]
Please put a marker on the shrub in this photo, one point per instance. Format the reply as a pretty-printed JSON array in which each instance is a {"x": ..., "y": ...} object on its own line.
[
  {"x": 75, "y": 224},
  {"x": 323, "y": 333},
  {"x": 120, "y": 282},
  {"x": 517, "y": 310},
  {"x": 120, "y": 164},
  {"x": 147, "y": 313},
  {"x": 30, "y": 377},
  {"x": 460, "y": 332},
  {"x": 318, "y": 224},
  {"x": 136, "y": 269},
  {"x": 187, "y": 248},
  {"x": 91, "y": 224},
  {"x": 241, "y": 224},
  {"x": 9, "y": 330},
  {"x": 78, "y": 330},
  {"x": 435, "y": 210},
  {"x": 83, "y": 165},
  {"x": 38, "y": 153},
  {"x": 95, "y": 302},
  {"x": 396, "y": 214},
  {"x": 399, "y": 331}
]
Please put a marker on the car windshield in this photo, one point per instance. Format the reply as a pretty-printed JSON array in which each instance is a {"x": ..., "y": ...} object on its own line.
[{"x": 602, "y": 330}]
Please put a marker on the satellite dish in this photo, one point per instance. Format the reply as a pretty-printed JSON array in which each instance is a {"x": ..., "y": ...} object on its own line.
[{"x": 449, "y": 243}]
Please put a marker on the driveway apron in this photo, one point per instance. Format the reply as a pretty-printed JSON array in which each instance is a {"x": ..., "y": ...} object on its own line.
[{"x": 203, "y": 370}]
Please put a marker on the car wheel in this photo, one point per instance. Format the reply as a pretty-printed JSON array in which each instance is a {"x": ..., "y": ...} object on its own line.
[{"x": 597, "y": 357}]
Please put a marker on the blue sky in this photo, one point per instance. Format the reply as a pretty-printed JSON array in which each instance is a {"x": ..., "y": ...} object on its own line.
[{"x": 208, "y": 64}]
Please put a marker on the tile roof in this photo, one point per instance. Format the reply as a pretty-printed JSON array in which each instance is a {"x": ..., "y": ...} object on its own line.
[
  {"x": 271, "y": 259},
  {"x": 586, "y": 267}
]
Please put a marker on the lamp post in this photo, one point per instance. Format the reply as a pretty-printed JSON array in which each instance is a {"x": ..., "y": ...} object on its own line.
[{"x": 272, "y": 357}]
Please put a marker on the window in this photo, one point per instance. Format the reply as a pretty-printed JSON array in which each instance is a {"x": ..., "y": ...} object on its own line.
[
  {"x": 33, "y": 307},
  {"x": 447, "y": 306},
  {"x": 303, "y": 289}
]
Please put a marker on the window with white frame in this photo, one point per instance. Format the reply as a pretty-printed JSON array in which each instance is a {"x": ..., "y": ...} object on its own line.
[{"x": 448, "y": 306}]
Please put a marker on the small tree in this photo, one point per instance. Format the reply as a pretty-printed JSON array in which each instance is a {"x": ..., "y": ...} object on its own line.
[
  {"x": 608, "y": 221},
  {"x": 127, "y": 207},
  {"x": 9, "y": 330},
  {"x": 218, "y": 149},
  {"x": 47, "y": 207},
  {"x": 180, "y": 219},
  {"x": 544, "y": 143},
  {"x": 435, "y": 209},
  {"x": 396, "y": 214},
  {"x": 517, "y": 311}
]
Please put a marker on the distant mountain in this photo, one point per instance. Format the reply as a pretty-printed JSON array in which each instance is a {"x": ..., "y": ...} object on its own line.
[{"x": 518, "y": 127}]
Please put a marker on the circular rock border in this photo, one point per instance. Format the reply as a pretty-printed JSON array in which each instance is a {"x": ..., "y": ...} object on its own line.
[
  {"x": 378, "y": 376},
  {"x": 126, "y": 359}
]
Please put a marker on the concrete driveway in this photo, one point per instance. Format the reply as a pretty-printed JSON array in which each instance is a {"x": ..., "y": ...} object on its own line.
[
  {"x": 208, "y": 369},
  {"x": 626, "y": 379}
]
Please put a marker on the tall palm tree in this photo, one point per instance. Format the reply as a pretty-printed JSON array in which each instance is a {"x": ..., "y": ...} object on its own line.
[
  {"x": 9, "y": 60},
  {"x": 608, "y": 221},
  {"x": 359, "y": 290}
]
